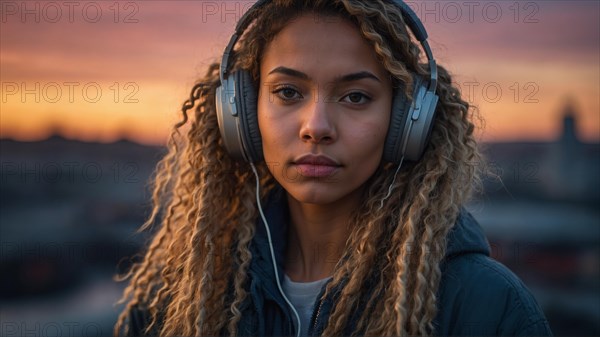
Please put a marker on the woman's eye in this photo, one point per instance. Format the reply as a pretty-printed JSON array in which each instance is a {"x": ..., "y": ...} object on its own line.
[
  {"x": 357, "y": 98},
  {"x": 287, "y": 93}
]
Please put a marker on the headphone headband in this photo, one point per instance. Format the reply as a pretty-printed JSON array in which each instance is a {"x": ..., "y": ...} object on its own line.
[{"x": 410, "y": 17}]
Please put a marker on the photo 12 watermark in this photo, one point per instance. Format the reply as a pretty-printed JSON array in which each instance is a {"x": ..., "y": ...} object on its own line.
[
  {"x": 494, "y": 92},
  {"x": 69, "y": 11},
  {"x": 69, "y": 92},
  {"x": 223, "y": 11},
  {"x": 65, "y": 329},
  {"x": 69, "y": 172},
  {"x": 68, "y": 252},
  {"x": 476, "y": 11}
]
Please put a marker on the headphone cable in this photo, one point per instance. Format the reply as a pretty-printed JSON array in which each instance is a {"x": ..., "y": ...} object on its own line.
[{"x": 264, "y": 219}]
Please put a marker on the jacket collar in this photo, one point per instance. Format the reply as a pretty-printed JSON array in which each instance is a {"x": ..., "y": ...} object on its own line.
[{"x": 466, "y": 237}]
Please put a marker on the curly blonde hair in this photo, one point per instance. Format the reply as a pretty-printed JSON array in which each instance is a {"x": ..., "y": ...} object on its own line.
[{"x": 192, "y": 277}]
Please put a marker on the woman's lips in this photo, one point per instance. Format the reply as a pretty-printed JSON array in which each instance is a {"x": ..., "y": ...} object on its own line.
[
  {"x": 316, "y": 166},
  {"x": 316, "y": 171}
]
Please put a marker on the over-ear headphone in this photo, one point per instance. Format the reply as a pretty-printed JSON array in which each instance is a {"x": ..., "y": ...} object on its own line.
[{"x": 410, "y": 123}]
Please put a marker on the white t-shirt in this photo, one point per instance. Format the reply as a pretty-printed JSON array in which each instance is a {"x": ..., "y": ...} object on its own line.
[{"x": 303, "y": 296}]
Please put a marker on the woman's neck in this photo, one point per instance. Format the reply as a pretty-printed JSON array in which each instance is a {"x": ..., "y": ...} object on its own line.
[{"x": 317, "y": 237}]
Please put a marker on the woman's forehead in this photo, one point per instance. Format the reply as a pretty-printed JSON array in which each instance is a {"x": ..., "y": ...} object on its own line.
[{"x": 319, "y": 45}]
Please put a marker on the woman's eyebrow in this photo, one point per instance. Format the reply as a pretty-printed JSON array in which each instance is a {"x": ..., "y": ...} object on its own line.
[
  {"x": 289, "y": 72},
  {"x": 344, "y": 78},
  {"x": 357, "y": 76}
]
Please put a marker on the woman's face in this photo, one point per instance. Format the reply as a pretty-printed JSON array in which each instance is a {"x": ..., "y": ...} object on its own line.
[{"x": 323, "y": 109}]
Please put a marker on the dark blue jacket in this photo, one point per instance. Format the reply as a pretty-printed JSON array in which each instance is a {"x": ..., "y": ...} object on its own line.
[{"x": 477, "y": 296}]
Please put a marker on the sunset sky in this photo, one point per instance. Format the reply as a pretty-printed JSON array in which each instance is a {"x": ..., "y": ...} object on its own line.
[{"x": 102, "y": 70}]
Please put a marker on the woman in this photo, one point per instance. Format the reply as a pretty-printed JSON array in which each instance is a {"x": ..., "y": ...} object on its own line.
[{"x": 362, "y": 230}]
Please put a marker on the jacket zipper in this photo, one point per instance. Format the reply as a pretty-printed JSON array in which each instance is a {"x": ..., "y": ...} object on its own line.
[{"x": 314, "y": 326}]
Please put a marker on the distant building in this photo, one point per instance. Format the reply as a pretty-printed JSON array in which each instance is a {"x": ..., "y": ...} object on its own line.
[
  {"x": 563, "y": 170},
  {"x": 572, "y": 166}
]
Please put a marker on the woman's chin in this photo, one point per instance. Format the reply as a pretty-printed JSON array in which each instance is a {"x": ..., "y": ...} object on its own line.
[{"x": 322, "y": 194}]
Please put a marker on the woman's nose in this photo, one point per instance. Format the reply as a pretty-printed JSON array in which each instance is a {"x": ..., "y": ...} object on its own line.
[{"x": 317, "y": 123}]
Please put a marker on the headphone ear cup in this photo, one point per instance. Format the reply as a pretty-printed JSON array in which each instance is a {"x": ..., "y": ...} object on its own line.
[
  {"x": 393, "y": 147},
  {"x": 420, "y": 130},
  {"x": 408, "y": 135},
  {"x": 247, "y": 102},
  {"x": 227, "y": 117}
]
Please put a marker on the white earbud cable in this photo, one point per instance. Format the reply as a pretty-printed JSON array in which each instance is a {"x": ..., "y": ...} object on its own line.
[
  {"x": 264, "y": 219},
  {"x": 391, "y": 187}
]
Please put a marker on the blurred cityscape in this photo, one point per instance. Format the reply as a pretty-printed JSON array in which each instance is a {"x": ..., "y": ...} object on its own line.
[{"x": 69, "y": 210}]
